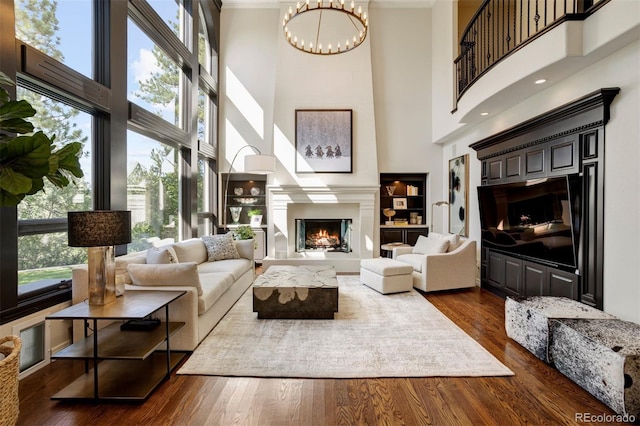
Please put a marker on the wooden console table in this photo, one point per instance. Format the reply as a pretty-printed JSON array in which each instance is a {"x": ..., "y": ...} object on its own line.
[{"x": 126, "y": 364}]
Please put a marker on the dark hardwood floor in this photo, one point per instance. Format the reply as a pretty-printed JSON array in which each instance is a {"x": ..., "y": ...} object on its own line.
[{"x": 536, "y": 395}]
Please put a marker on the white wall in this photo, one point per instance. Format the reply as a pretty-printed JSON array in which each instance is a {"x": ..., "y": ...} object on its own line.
[
  {"x": 386, "y": 82},
  {"x": 622, "y": 175}
]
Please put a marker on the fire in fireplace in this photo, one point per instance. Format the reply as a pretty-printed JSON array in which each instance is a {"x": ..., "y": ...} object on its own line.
[{"x": 332, "y": 235}]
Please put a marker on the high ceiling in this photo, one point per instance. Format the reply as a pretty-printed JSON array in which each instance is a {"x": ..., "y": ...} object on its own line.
[{"x": 374, "y": 3}]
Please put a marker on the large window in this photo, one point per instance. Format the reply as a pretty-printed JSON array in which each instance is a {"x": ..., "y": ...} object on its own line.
[
  {"x": 154, "y": 79},
  {"x": 152, "y": 190},
  {"x": 73, "y": 79},
  {"x": 61, "y": 29}
]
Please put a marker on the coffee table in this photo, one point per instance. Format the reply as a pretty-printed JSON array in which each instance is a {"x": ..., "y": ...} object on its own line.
[{"x": 296, "y": 292}]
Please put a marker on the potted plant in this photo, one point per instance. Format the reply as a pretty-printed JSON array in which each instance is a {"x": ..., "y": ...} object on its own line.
[
  {"x": 254, "y": 212},
  {"x": 27, "y": 158},
  {"x": 244, "y": 232}
]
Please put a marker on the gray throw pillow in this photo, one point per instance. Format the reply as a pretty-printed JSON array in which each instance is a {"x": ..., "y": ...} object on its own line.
[
  {"x": 220, "y": 247},
  {"x": 161, "y": 255}
]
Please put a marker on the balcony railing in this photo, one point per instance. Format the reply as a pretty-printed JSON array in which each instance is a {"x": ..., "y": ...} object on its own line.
[{"x": 500, "y": 27}]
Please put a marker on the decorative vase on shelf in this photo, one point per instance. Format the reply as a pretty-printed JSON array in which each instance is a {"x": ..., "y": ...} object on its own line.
[
  {"x": 390, "y": 190},
  {"x": 235, "y": 214}
]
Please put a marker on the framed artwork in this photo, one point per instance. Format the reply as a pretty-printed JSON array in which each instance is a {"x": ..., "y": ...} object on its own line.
[
  {"x": 324, "y": 141},
  {"x": 399, "y": 203},
  {"x": 458, "y": 196},
  {"x": 256, "y": 220}
]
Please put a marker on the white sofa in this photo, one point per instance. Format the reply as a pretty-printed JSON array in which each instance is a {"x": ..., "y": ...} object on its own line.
[
  {"x": 221, "y": 283},
  {"x": 440, "y": 262}
]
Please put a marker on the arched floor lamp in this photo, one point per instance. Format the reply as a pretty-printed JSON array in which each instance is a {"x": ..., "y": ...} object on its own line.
[
  {"x": 439, "y": 203},
  {"x": 255, "y": 163}
]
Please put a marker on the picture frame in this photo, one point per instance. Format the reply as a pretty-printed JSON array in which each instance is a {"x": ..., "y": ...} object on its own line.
[
  {"x": 458, "y": 195},
  {"x": 256, "y": 220},
  {"x": 324, "y": 140},
  {"x": 399, "y": 203}
]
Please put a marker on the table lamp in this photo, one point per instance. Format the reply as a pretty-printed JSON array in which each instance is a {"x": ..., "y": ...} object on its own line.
[{"x": 100, "y": 231}]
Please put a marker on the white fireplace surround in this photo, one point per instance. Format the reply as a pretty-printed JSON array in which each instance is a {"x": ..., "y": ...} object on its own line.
[{"x": 290, "y": 202}]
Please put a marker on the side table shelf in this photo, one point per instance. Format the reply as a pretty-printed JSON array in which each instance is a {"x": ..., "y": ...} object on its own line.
[{"x": 125, "y": 365}]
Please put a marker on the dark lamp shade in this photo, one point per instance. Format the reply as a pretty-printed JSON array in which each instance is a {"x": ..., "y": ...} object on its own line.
[{"x": 97, "y": 228}]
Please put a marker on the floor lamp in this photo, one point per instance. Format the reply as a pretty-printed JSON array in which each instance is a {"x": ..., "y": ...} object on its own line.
[
  {"x": 438, "y": 203},
  {"x": 254, "y": 163}
]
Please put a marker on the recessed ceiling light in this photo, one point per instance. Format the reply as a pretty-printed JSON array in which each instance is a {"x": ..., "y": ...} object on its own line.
[
  {"x": 484, "y": 113},
  {"x": 542, "y": 80}
]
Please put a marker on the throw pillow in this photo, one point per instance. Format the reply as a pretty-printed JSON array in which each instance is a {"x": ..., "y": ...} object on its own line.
[
  {"x": 220, "y": 247},
  {"x": 168, "y": 274},
  {"x": 454, "y": 241},
  {"x": 426, "y": 245},
  {"x": 164, "y": 254}
]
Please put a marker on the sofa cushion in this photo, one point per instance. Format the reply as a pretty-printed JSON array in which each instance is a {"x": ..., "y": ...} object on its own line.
[
  {"x": 415, "y": 260},
  {"x": 454, "y": 239},
  {"x": 214, "y": 285},
  {"x": 191, "y": 250},
  {"x": 220, "y": 247},
  {"x": 426, "y": 245},
  {"x": 164, "y": 254},
  {"x": 169, "y": 274},
  {"x": 122, "y": 262},
  {"x": 236, "y": 267}
]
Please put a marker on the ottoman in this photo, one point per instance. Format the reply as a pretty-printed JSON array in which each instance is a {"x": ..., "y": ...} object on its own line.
[
  {"x": 386, "y": 275},
  {"x": 527, "y": 320},
  {"x": 603, "y": 357}
]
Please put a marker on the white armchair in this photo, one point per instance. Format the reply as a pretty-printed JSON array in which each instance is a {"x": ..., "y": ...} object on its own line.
[{"x": 441, "y": 271}]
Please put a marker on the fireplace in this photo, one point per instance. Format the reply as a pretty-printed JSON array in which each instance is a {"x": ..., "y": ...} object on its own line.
[{"x": 325, "y": 235}]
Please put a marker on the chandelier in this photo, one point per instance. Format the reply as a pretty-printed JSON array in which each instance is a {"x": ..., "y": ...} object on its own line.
[{"x": 347, "y": 27}]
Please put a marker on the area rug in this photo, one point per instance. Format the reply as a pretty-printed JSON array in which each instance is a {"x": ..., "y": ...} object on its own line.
[{"x": 372, "y": 335}]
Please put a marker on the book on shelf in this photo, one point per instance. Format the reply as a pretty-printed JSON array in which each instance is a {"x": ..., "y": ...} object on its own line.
[
  {"x": 412, "y": 190},
  {"x": 400, "y": 222}
]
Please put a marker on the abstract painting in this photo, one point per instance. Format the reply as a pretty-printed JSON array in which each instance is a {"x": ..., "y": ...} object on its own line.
[
  {"x": 324, "y": 141},
  {"x": 458, "y": 199}
]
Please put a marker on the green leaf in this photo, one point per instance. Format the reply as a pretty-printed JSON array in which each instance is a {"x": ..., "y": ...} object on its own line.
[
  {"x": 16, "y": 109},
  {"x": 69, "y": 158},
  {"x": 14, "y": 183},
  {"x": 29, "y": 155},
  {"x": 4, "y": 79},
  {"x": 9, "y": 200},
  {"x": 16, "y": 125}
]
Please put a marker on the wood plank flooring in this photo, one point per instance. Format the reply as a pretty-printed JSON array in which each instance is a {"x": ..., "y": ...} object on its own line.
[{"x": 536, "y": 395}]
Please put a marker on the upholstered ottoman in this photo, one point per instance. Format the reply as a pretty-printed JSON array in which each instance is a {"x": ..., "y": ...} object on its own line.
[
  {"x": 527, "y": 320},
  {"x": 386, "y": 275},
  {"x": 603, "y": 357}
]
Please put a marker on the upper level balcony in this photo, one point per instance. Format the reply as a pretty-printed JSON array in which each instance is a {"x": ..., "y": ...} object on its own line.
[
  {"x": 500, "y": 27},
  {"x": 509, "y": 44}
]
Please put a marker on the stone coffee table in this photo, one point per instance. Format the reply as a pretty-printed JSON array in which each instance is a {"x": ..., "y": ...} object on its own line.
[{"x": 296, "y": 292}]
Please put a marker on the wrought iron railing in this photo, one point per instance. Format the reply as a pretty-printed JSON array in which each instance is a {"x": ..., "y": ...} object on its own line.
[{"x": 500, "y": 27}]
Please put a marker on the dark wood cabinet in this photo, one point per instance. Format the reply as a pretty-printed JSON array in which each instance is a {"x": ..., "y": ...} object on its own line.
[
  {"x": 566, "y": 141},
  {"x": 405, "y": 193},
  {"x": 246, "y": 194},
  {"x": 513, "y": 276}
]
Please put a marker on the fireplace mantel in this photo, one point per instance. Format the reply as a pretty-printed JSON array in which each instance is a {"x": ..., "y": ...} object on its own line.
[{"x": 353, "y": 201}]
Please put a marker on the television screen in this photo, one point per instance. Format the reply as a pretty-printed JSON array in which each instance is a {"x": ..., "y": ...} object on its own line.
[{"x": 536, "y": 218}]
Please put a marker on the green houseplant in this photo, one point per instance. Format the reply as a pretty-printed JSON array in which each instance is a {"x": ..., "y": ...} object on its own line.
[
  {"x": 28, "y": 158},
  {"x": 244, "y": 232}
]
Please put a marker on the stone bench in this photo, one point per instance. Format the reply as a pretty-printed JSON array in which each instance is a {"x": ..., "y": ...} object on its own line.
[
  {"x": 527, "y": 320},
  {"x": 603, "y": 357},
  {"x": 386, "y": 275}
]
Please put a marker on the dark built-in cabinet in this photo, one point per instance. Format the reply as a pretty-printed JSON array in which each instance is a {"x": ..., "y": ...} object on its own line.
[
  {"x": 567, "y": 141},
  {"x": 407, "y": 191}
]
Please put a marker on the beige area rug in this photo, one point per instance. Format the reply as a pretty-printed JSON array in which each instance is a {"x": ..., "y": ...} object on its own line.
[{"x": 372, "y": 335}]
